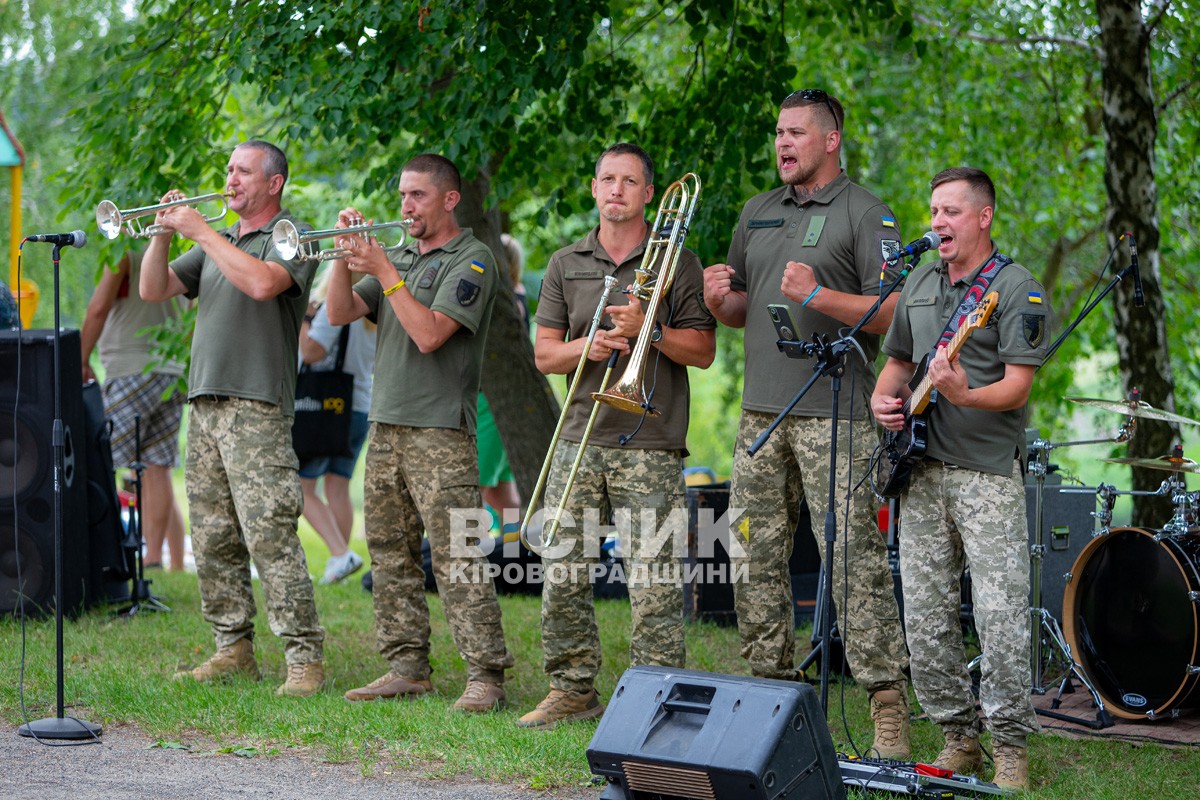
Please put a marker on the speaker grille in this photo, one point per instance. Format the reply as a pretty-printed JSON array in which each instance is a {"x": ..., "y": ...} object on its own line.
[
  {"x": 21, "y": 464},
  {"x": 675, "y": 781}
]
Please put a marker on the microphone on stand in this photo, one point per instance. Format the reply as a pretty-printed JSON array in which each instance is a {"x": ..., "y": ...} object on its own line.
[
  {"x": 72, "y": 239},
  {"x": 1139, "y": 299},
  {"x": 930, "y": 241}
]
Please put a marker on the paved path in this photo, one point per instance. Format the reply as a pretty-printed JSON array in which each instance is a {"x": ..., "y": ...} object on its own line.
[{"x": 125, "y": 767}]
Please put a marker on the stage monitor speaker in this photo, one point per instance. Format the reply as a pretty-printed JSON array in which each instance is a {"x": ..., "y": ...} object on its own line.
[
  {"x": 680, "y": 734},
  {"x": 27, "y": 473}
]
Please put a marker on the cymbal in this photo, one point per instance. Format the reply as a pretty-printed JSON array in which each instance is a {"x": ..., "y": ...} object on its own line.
[
  {"x": 1139, "y": 409},
  {"x": 1165, "y": 463}
]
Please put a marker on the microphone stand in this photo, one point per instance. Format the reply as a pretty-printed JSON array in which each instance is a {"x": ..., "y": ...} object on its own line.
[
  {"x": 58, "y": 727},
  {"x": 831, "y": 358},
  {"x": 1083, "y": 312}
]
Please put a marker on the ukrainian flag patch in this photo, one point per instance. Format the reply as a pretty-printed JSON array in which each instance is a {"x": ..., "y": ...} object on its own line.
[
  {"x": 888, "y": 222},
  {"x": 475, "y": 265},
  {"x": 1035, "y": 297}
]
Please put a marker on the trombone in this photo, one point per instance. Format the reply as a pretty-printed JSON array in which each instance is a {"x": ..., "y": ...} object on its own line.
[
  {"x": 110, "y": 219},
  {"x": 664, "y": 248},
  {"x": 652, "y": 280},
  {"x": 291, "y": 242},
  {"x": 551, "y": 530}
]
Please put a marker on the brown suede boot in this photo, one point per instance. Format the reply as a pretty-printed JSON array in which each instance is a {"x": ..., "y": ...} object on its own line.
[
  {"x": 889, "y": 710},
  {"x": 303, "y": 680},
  {"x": 560, "y": 706},
  {"x": 388, "y": 686},
  {"x": 961, "y": 754},
  {"x": 236, "y": 659},
  {"x": 1012, "y": 767},
  {"x": 480, "y": 697}
]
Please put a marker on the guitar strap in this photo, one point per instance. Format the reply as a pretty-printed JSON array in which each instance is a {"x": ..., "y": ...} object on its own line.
[{"x": 975, "y": 293}]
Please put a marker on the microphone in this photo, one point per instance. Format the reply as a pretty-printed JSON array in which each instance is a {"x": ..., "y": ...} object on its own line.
[
  {"x": 930, "y": 241},
  {"x": 73, "y": 239},
  {"x": 1139, "y": 299}
]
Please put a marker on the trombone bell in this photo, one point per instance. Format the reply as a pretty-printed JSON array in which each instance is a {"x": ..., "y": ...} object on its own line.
[{"x": 626, "y": 395}]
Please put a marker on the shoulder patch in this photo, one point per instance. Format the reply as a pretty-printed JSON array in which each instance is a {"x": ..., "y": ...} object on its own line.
[
  {"x": 467, "y": 292},
  {"x": 889, "y": 248},
  {"x": 1034, "y": 328}
]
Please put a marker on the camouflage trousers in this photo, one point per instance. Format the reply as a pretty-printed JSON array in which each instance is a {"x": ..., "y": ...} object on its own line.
[
  {"x": 415, "y": 480},
  {"x": 949, "y": 513},
  {"x": 792, "y": 465},
  {"x": 636, "y": 489},
  {"x": 244, "y": 500}
]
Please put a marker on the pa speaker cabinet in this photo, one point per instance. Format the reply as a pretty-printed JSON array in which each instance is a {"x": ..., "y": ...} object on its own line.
[
  {"x": 27, "y": 472},
  {"x": 1067, "y": 526},
  {"x": 670, "y": 733}
]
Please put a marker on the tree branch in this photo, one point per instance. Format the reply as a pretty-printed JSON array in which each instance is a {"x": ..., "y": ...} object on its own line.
[
  {"x": 1069, "y": 41},
  {"x": 1157, "y": 17},
  {"x": 1184, "y": 89}
]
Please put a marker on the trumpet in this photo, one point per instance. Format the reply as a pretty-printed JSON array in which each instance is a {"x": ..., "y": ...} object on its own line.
[
  {"x": 664, "y": 248},
  {"x": 291, "y": 242},
  {"x": 111, "y": 219}
]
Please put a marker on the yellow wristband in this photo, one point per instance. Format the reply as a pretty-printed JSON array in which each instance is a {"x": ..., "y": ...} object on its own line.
[{"x": 394, "y": 289}]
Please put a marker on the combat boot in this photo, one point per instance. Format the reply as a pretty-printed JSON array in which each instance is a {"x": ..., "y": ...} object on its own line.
[
  {"x": 889, "y": 710},
  {"x": 961, "y": 754},
  {"x": 1012, "y": 768},
  {"x": 303, "y": 680},
  {"x": 560, "y": 706},
  {"x": 235, "y": 659},
  {"x": 480, "y": 697}
]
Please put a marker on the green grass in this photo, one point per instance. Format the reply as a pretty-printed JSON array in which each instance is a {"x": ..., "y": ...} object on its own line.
[{"x": 119, "y": 671}]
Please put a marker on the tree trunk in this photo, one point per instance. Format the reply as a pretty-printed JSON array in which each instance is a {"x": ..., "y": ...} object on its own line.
[
  {"x": 1130, "y": 129},
  {"x": 520, "y": 397}
]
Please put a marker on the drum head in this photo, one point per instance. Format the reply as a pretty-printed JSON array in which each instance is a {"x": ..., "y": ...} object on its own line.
[{"x": 1130, "y": 621}]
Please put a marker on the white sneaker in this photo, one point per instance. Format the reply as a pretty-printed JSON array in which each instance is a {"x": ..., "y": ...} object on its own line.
[{"x": 340, "y": 567}]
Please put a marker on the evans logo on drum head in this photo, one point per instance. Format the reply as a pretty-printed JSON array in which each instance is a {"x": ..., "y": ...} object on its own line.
[{"x": 1133, "y": 700}]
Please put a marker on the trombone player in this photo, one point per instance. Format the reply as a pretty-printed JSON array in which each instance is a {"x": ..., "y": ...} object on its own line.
[
  {"x": 647, "y": 472},
  {"x": 242, "y": 485}
]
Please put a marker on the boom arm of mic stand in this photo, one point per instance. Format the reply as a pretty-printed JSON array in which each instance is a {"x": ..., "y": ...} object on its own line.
[
  {"x": 1120, "y": 276},
  {"x": 830, "y": 356}
]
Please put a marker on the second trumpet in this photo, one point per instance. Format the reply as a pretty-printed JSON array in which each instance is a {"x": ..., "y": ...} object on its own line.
[{"x": 291, "y": 242}]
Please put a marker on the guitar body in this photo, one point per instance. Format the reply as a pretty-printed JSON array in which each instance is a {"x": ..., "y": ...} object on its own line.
[{"x": 903, "y": 448}]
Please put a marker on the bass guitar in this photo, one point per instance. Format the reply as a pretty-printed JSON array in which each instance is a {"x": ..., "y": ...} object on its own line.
[{"x": 903, "y": 448}]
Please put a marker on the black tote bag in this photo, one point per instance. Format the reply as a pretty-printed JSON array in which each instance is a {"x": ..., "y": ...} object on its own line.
[{"x": 324, "y": 401}]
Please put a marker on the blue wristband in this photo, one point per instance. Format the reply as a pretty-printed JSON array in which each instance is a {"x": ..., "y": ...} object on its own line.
[{"x": 811, "y": 296}]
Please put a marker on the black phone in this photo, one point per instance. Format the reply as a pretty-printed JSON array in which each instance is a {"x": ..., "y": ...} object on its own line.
[{"x": 781, "y": 318}]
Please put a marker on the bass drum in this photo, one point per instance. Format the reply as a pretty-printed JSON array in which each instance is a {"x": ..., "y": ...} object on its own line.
[{"x": 1130, "y": 616}]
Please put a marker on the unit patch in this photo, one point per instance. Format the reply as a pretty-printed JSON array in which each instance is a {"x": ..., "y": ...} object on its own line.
[
  {"x": 467, "y": 292},
  {"x": 1034, "y": 327}
]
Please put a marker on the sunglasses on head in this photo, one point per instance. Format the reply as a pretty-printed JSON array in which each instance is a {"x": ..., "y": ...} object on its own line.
[{"x": 817, "y": 96}]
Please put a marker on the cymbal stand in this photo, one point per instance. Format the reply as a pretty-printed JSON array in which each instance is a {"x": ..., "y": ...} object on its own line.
[{"x": 1044, "y": 628}]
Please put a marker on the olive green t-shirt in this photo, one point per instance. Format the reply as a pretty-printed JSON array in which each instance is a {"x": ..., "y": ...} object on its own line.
[
  {"x": 844, "y": 233},
  {"x": 243, "y": 347},
  {"x": 1018, "y": 332},
  {"x": 438, "y": 389},
  {"x": 571, "y": 291}
]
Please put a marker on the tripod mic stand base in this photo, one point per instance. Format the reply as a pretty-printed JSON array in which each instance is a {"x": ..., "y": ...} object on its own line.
[{"x": 61, "y": 728}]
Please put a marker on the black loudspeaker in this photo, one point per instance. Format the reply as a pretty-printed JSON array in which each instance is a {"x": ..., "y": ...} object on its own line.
[
  {"x": 1067, "y": 526},
  {"x": 111, "y": 552},
  {"x": 707, "y": 586},
  {"x": 27, "y": 473},
  {"x": 678, "y": 734}
]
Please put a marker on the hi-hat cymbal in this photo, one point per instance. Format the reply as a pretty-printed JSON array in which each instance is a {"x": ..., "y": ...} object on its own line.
[
  {"x": 1165, "y": 463},
  {"x": 1138, "y": 409}
]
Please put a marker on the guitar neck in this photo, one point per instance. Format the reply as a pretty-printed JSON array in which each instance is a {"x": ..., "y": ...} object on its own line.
[{"x": 919, "y": 399}]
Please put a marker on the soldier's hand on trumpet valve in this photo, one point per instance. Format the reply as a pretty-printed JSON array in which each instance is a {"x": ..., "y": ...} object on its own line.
[
  {"x": 161, "y": 216},
  {"x": 604, "y": 344},
  {"x": 717, "y": 284},
  {"x": 627, "y": 318}
]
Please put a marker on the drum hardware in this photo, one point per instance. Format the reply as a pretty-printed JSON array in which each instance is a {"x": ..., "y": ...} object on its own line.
[{"x": 1047, "y": 642}]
